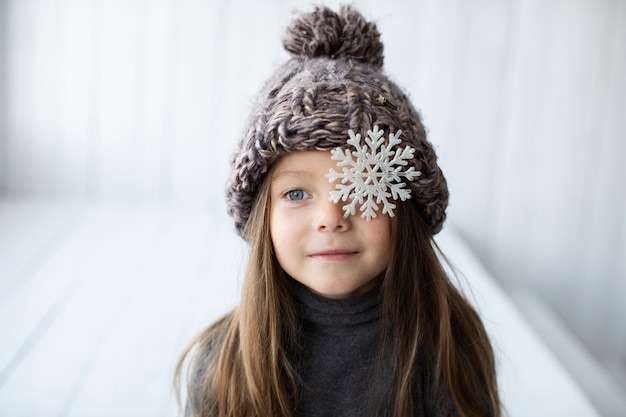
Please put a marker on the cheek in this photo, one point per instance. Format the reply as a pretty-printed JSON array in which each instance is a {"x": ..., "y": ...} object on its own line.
[
  {"x": 282, "y": 230},
  {"x": 285, "y": 243},
  {"x": 380, "y": 229},
  {"x": 275, "y": 227},
  {"x": 381, "y": 234}
]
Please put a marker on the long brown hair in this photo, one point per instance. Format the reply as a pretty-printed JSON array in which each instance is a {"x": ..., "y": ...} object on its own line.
[
  {"x": 246, "y": 363},
  {"x": 426, "y": 312}
]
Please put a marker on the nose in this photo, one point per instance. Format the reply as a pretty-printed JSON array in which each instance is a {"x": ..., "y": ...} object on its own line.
[{"x": 330, "y": 218}]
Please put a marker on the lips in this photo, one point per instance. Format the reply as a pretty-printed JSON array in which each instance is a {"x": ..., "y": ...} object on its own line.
[{"x": 334, "y": 254}]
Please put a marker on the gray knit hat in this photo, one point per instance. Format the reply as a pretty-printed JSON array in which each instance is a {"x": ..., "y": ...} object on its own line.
[{"x": 332, "y": 84}]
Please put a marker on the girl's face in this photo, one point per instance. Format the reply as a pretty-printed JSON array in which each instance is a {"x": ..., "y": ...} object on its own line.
[{"x": 333, "y": 256}]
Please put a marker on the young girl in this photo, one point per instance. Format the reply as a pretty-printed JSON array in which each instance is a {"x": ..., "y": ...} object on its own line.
[{"x": 345, "y": 309}]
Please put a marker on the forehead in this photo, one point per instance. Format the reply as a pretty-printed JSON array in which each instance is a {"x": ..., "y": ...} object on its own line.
[{"x": 303, "y": 163}]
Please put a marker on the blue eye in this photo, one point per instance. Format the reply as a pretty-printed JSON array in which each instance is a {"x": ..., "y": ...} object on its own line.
[{"x": 296, "y": 195}]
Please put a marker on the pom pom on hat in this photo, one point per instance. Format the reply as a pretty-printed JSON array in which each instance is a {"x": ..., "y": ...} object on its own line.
[{"x": 335, "y": 35}]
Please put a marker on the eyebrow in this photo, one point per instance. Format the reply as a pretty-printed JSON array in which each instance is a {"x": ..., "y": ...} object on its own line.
[{"x": 293, "y": 173}]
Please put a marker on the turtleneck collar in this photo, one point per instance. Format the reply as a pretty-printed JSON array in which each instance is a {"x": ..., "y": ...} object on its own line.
[{"x": 336, "y": 312}]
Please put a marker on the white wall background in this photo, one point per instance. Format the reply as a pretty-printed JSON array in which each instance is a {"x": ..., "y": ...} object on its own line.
[{"x": 143, "y": 100}]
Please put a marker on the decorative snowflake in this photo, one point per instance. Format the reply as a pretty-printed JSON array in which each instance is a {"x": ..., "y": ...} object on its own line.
[{"x": 374, "y": 176}]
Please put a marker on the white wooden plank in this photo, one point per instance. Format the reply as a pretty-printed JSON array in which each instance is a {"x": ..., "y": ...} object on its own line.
[
  {"x": 76, "y": 78},
  {"x": 18, "y": 73},
  {"x": 252, "y": 49},
  {"x": 67, "y": 348},
  {"x": 475, "y": 131},
  {"x": 155, "y": 98},
  {"x": 134, "y": 359},
  {"x": 3, "y": 99},
  {"x": 37, "y": 46},
  {"x": 614, "y": 131},
  {"x": 514, "y": 179},
  {"x": 603, "y": 392},
  {"x": 559, "y": 171},
  {"x": 400, "y": 24},
  {"x": 174, "y": 285},
  {"x": 440, "y": 78},
  {"x": 29, "y": 230},
  {"x": 29, "y": 308},
  {"x": 616, "y": 341},
  {"x": 219, "y": 292},
  {"x": 602, "y": 282},
  {"x": 531, "y": 380},
  {"x": 197, "y": 71},
  {"x": 117, "y": 106}
]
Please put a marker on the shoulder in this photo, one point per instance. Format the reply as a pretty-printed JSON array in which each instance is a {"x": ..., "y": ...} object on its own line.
[{"x": 205, "y": 348}]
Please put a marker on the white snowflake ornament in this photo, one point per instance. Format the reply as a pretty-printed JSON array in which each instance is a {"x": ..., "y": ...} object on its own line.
[{"x": 374, "y": 176}]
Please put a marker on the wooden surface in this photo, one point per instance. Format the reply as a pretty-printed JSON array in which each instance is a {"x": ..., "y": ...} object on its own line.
[{"x": 97, "y": 301}]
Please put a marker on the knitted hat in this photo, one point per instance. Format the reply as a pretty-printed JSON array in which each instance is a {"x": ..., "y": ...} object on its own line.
[{"x": 332, "y": 84}]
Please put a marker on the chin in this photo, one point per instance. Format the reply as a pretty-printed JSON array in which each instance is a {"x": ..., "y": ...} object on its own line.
[{"x": 337, "y": 293}]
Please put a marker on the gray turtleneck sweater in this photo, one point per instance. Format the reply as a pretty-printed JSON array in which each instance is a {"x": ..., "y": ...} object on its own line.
[
  {"x": 341, "y": 340},
  {"x": 339, "y": 371}
]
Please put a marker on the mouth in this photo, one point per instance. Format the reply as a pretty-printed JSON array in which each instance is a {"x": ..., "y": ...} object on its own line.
[{"x": 334, "y": 255}]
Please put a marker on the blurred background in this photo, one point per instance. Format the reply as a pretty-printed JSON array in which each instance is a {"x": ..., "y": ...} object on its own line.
[{"x": 111, "y": 105}]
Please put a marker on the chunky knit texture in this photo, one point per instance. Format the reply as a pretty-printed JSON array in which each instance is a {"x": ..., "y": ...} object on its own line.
[{"x": 333, "y": 83}]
